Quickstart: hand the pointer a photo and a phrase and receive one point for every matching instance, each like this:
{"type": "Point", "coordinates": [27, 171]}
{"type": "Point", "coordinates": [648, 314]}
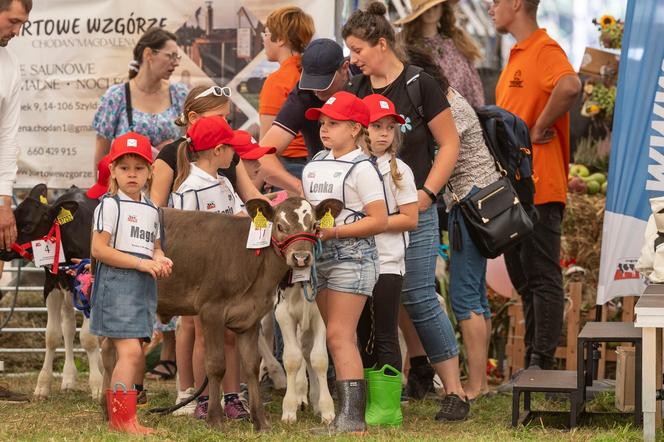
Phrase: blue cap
{"type": "Point", "coordinates": [320, 61]}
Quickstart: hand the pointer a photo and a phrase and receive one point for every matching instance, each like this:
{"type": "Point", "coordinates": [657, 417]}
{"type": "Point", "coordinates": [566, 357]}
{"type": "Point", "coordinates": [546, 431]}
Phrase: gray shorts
{"type": "Point", "coordinates": [124, 303]}
{"type": "Point", "coordinates": [348, 265]}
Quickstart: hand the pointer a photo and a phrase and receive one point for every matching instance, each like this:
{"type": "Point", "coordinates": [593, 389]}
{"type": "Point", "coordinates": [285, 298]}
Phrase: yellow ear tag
{"type": "Point", "coordinates": [260, 222]}
{"type": "Point", "coordinates": [43, 200]}
{"type": "Point", "coordinates": [327, 221]}
{"type": "Point", "coordinates": [64, 216]}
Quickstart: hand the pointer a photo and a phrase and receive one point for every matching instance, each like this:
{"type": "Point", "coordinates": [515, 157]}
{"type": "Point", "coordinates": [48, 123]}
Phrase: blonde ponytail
{"type": "Point", "coordinates": [184, 164]}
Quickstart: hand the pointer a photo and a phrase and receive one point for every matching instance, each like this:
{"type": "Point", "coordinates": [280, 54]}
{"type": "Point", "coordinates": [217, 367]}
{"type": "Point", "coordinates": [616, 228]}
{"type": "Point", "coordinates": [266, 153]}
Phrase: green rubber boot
{"type": "Point", "coordinates": [384, 397]}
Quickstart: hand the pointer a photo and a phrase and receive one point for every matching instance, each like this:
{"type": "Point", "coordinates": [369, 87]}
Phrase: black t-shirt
{"type": "Point", "coordinates": [169, 155]}
{"type": "Point", "coordinates": [417, 147]}
{"type": "Point", "coordinates": [291, 118]}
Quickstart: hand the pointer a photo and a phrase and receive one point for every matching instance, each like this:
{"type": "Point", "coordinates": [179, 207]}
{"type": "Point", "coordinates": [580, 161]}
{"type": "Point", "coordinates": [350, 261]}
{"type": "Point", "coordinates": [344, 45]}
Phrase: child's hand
{"type": "Point", "coordinates": [166, 266]}
{"type": "Point", "coordinates": [326, 234]}
{"type": "Point", "coordinates": [72, 272]}
{"type": "Point", "coordinates": [149, 266]}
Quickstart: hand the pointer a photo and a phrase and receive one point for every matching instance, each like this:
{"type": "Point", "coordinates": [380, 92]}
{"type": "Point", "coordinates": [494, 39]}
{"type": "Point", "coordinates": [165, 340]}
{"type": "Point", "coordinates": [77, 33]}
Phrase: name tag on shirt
{"type": "Point", "coordinates": [44, 253]}
{"type": "Point", "coordinates": [259, 238]}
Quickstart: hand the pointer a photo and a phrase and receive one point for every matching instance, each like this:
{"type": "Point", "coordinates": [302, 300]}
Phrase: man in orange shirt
{"type": "Point", "coordinates": [539, 85]}
{"type": "Point", "coordinates": [288, 31]}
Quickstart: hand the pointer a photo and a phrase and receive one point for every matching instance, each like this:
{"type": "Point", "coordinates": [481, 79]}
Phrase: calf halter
{"type": "Point", "coordinates": [53, 235]}
{"type": "Point", "coordinates": [315, 240]}
{"type": "Point", "coordinates": [281, 246]}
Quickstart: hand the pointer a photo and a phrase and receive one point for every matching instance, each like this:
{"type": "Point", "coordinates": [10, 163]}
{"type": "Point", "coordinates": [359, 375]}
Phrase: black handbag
{"type": "Point", "coordinates": [495, 218]}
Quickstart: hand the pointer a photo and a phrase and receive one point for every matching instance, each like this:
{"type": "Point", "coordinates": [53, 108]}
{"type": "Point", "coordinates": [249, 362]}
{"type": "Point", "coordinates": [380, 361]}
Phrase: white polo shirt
{"type": "Point", "coordinates": [392, 245]}
{"type": "Point", "coordinates": [223, 195]}
{"type": "Point", "coordinates": [10, 108]}
{"type": "Point", "coordinates": [362, 185]}
{"type": "Point", "coordinates": [142, 217]}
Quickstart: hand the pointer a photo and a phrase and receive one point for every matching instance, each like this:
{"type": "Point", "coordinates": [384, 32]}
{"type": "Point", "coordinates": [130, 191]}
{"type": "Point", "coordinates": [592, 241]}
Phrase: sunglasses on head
{"type": "Point", "coordinates": [217, 91]}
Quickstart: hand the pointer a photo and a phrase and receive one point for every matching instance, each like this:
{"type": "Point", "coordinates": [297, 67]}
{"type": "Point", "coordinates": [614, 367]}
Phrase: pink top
{"type": "Point", "coordinates": [459, 71]}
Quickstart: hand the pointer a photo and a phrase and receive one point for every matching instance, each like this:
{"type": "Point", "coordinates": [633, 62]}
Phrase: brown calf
{"type": "Point", "coordinates": [216, 277]}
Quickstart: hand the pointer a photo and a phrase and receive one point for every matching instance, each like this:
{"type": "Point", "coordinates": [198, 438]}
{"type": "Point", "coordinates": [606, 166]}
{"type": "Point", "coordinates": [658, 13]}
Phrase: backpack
{"type": "Point", "coordinates": [507, 137]}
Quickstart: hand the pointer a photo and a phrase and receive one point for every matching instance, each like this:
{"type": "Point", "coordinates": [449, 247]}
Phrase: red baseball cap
{"type": "Point", "coordinates": [131, 143]}
{"type": "Point", "coordinates": [103, 175]}
{"type": "Point", "coordinates": [250, 149]}
{"type": "Point", "coordinates": [381, 107]}
{"type": "Point", "coordinates": [342, 106]}
{"type": "Point", "coordinates": [209, 132]}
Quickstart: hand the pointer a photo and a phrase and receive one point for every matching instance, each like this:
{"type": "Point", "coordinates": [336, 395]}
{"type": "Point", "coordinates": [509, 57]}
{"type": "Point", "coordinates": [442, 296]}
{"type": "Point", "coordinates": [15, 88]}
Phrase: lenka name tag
{"type": "Point", "coordinates": [44, 253]}
{"type": "Point", "coordinates": [259, 238]}
{"type": "Point", "coordinates": [300, 275]}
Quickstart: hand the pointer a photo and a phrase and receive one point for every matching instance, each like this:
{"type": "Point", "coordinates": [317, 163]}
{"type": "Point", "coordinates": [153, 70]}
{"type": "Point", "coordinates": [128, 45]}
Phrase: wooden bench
{"type": "Point", "coordinates": [601, 332]}
{"type": "Point", "coordinates": [544, 381]}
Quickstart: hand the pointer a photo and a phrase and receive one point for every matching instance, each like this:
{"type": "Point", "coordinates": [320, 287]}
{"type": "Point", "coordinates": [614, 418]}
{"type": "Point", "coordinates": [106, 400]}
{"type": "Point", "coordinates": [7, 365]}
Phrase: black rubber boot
{"type": "Point", "coordinates": [420, 378]}
{"type": "Point", "coordinates": [352, 400]}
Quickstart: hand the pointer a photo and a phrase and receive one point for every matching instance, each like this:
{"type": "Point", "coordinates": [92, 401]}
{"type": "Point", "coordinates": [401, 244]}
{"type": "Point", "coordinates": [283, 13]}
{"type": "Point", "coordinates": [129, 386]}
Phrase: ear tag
{"type": "Point", "coordinates": [260, 222]}
{"type": "Point", "coordinates": [43, 200]}
{"type": "Point", "coordinates": [327, 221]}
{"type": "Point", "coordinates": [64, 216]}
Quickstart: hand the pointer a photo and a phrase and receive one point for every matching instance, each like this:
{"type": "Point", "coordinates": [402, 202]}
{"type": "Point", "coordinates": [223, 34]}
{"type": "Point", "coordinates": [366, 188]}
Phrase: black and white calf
{"type": "Point", "coordinates": [34, 220]}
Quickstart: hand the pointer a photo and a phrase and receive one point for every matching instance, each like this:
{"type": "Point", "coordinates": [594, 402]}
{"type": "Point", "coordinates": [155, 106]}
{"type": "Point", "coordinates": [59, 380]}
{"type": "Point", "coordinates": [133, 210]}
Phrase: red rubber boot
{"type": "Point", "coordinates": [121, 406]}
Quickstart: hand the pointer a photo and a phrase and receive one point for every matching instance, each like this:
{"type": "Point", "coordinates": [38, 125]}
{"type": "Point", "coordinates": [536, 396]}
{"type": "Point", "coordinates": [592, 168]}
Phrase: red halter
{"type": "Point", "coordinates": [53, 235]}
{"type": "Point", "coordinates": [281, 246]}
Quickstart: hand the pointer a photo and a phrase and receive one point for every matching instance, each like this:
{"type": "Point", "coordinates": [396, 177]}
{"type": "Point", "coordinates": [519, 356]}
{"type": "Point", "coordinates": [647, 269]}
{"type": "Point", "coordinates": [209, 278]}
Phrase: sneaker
{"type": "Point", "coordinates": [420, 381]}
{"type": "Point", "coordinates": [190, 408]}
{"type": "Point", "coordinates": [235, 408]}
{"type": "Point", "coordinates": [142, 398]}
{"type": "Point", "coordinates": [453, 408]}
{"type": "Point", "coordinates": [201, 408]}
{"type": "Point", "coordinates": [8, 396]}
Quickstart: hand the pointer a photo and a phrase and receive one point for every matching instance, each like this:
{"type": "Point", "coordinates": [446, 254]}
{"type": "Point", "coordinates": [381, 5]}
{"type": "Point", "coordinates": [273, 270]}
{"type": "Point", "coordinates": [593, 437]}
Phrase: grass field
{"type": "Point", "coordinates": [72, 416]}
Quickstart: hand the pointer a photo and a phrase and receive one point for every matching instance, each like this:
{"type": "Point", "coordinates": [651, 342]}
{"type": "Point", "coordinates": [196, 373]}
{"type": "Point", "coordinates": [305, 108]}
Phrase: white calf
{"type": "Point", "coordinates": [62, 322]}
{"type": "Point", "coordinates": [303, 331]}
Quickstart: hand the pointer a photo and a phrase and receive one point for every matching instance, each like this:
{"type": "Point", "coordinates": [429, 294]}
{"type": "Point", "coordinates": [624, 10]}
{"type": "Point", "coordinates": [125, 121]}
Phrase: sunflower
{"type": "Point", "coordinates": [606, 21]}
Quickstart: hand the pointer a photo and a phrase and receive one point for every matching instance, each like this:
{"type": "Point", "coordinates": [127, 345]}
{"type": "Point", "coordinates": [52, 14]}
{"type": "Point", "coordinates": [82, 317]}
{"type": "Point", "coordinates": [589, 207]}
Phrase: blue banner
{"type": "Point", "coordinates": [636, 169]}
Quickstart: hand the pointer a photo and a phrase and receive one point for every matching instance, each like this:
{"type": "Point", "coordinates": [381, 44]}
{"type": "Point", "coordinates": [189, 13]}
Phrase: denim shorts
{"type": "Point", "coordinates": [348, 265]}
{"type": "Point", "coordinates": [124, 303]}
{"type": "Point", "coordinates": [467, 271]}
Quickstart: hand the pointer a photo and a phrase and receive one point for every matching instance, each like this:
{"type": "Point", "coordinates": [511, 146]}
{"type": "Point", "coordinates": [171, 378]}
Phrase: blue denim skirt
{"type": "Point", "coordinates": [348, 265]}
{"type": "Point", "coordinates": [124, 303]}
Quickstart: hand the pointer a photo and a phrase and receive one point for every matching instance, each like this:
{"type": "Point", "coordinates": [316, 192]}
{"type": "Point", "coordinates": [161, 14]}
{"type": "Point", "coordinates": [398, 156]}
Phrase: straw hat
{"type": "Point", "coordinates": [419, 7]}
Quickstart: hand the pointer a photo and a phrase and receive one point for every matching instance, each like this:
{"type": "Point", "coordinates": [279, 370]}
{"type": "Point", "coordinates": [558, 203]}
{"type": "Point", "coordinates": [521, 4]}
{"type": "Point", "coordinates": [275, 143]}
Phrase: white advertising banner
{"type": "Point", "coordinates": [71, 51]}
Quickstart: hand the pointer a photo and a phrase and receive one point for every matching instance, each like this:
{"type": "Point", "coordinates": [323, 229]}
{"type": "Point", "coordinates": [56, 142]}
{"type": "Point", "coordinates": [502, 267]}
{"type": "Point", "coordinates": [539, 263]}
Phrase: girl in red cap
{"type": "Point", "coordinates": [211, 143]}
{"type": "Point", "coordinates": [347, 268]}
{"type": "Point", "coordinates": [125, 243]}
{"type": "Point", "coordinates": [381, 312]}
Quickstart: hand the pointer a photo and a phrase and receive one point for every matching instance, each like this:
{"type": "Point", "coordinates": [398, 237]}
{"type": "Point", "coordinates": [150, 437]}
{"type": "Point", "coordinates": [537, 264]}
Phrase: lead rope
{"type": "Point", "coordinates": [369, 348]}
{"type": "Point", "coordinates": [318, 250]}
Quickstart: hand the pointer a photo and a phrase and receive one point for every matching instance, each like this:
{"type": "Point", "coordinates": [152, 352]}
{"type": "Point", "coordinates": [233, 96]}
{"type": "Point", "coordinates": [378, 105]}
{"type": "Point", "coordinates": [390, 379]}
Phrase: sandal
{"type": "Point", "coordinates": [165, 374]}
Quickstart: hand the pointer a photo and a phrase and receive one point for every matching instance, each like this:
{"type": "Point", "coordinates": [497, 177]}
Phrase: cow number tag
{"type": "Point", "coordinates": [44, 252]}
{"type": "Point", "coordinates": [300, 275]}
{"type": "Point", "coordinates": [327, 221]}
{"type": "Point", "coordinates": [260, 232]}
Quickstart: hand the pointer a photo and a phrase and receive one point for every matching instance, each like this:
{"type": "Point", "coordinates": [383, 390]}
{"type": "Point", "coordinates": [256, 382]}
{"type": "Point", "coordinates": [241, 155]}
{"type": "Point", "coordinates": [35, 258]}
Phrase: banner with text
{"type": "Point", "coordinates": [71, 51]}
{"type": "Point", "coordinates": [636, 170]}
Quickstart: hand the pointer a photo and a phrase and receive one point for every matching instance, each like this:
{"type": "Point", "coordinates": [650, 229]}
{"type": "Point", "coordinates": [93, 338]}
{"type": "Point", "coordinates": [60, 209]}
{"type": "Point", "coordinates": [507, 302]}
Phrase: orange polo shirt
{"type": "Point", "coordinates": [273, 95]}
{"type": "Point", "coordinates": [535, 65]}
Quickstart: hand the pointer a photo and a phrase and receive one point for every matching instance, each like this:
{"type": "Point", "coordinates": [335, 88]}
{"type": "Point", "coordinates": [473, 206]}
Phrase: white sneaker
{"type": "Point", "coordinates": [187, 410]}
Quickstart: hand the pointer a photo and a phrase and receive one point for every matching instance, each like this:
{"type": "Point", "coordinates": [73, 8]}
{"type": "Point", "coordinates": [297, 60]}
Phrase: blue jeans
{"type": "Point", "coordinates": [419, 293]}
{"type": "Point", "coordinates": [467, 272]}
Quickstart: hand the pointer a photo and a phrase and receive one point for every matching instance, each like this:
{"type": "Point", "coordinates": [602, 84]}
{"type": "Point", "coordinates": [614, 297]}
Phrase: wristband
{"type": "Point", "coordinates": [429, 193]}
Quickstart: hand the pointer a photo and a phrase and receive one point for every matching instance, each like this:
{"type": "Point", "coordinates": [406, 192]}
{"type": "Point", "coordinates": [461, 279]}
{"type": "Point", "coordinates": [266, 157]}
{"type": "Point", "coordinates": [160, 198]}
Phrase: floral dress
{"type": "Point", "coordinates": [110, 120]}
{"type": "Point", "coordinates": [459, 71]}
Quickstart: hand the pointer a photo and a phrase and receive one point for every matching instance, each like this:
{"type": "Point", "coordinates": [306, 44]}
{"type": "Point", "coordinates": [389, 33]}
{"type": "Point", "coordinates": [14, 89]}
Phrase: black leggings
{"type": "Point", "coordinates": [383, 347]}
